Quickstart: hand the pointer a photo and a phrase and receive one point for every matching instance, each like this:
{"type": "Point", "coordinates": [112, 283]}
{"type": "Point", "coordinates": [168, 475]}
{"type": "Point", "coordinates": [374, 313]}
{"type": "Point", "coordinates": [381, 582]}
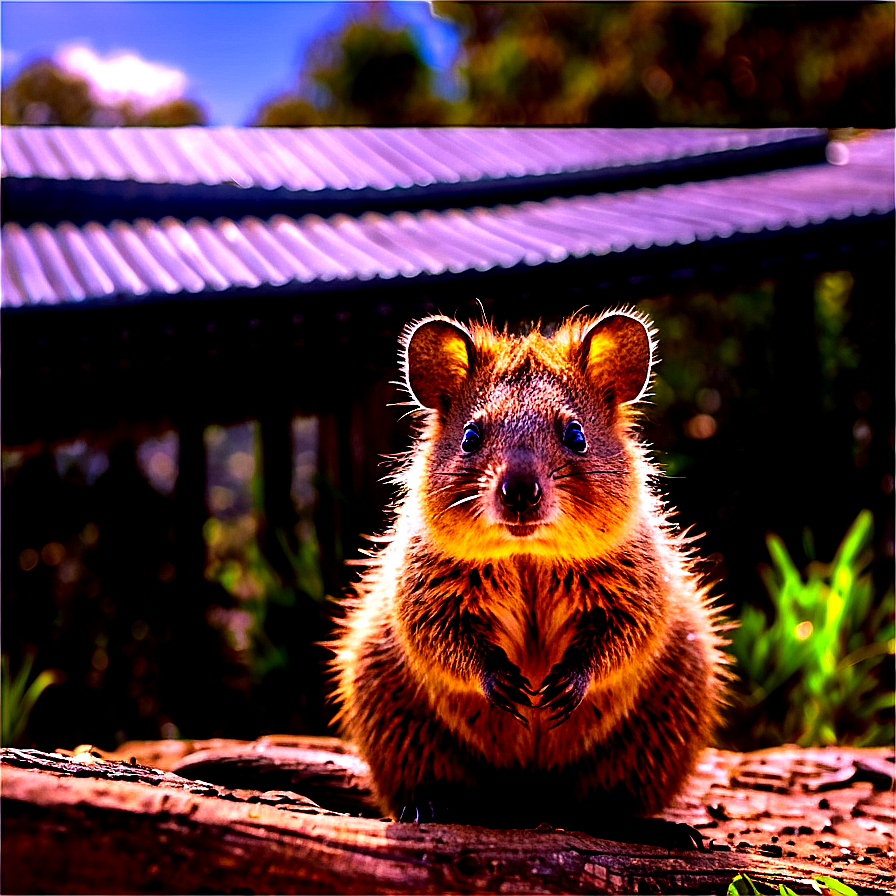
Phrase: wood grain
{"type": "Point", "coordinates": [101, 824]}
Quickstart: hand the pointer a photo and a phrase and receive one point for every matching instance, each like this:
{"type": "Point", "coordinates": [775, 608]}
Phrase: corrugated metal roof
{"type": "Point", "coordinates": [94, 174]}
{"type": "Point", "coordinates": [312, 159]}
{"type": "Point", "coordinates": [62, 264]}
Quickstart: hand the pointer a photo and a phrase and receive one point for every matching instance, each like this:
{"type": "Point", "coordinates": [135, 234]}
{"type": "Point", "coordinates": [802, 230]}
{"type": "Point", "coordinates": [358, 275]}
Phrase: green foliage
{"type": "Point", "coordinates": [44, 93]}
{"type": "Point", "coordinates": [559, 63]}
{"type": "Point", "coordinates": [17, 697]}
{"type": "Point", "coordinates": [742, 885]}
{"type": "Point", "coordinates": [369, 73]}
{"type": "Point", "coordinates": [237, 562]}
{"type": "Point", "coordinates": [670, 63]}
{"type": "Point", "coordinates": [277, 620]}
{"type": "Point", "coordinates": [714, 369]}
{"type": "Point", "coordinates": [264, 593]}
{"type": "Point", "coordinates": [832, 312]}
{"type": "Point", "coordinates": [810, 674]}
{"type": "Point", "coordinates": [826, 885]}
{"type": "Point", "coordinates": [177, 113]}
{"type": "Point", "coordinates": [635, 64]}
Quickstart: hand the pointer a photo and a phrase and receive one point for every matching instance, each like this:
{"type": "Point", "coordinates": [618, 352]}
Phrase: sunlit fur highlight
{"type": "Point", "coordinates": [602, 586]}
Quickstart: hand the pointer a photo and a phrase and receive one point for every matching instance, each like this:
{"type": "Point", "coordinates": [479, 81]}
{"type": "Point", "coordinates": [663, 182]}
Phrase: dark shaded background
{"type": "Point", "coordinates": [754, 434]}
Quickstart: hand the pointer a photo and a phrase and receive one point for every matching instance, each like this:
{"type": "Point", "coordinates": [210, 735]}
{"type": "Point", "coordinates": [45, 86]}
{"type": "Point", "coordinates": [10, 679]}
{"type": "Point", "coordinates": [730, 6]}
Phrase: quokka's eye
{"type": "Point", "coordinates": [472, 439]}
{"type": "Point", "coordinates": [574, 438]}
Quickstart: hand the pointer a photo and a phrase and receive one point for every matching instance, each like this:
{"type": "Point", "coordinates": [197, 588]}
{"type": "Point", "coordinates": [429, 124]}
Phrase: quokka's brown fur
{"type": "Point", "coordinates": [531, 644]}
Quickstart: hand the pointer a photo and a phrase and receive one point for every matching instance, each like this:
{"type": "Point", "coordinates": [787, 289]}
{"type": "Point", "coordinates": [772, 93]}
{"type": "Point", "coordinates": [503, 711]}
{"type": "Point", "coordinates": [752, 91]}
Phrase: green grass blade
{"type": "Point", "coordinates": [742, 886]}
{"type": "Point", "coordinates": [827, 885]}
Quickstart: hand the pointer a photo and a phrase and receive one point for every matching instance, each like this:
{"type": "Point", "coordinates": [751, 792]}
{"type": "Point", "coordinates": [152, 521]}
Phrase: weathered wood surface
{"type": "Point", "coordinates": [126, 822]}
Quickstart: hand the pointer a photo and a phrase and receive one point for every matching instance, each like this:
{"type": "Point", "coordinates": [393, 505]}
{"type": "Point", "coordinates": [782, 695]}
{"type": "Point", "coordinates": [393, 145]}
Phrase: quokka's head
{"type": "Point", "coordinates": [528, 445]}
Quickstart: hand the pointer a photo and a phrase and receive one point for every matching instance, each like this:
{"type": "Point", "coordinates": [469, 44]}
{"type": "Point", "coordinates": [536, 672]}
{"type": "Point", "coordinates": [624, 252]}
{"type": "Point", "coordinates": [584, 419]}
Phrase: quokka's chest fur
{"type": "Point", "coordinates": [530, 607]}
{"type": "Point", "coordinates": [534, 611]}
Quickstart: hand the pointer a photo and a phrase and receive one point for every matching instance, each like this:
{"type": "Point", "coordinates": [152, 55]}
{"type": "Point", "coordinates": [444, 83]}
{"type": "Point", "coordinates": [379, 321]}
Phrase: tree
{"type": "Point", "coordinates": [173, 114]}
{"type": "Point", "coordinates": [675, 63]}
{"type": "Point", "coordinates": [45, 93]}
{"type": "Point", "coordinates": [369, 73]}
{"type": "Point", "coordinates": [42, 93]}
{"type": "Point", "coordinates": [620, 64]}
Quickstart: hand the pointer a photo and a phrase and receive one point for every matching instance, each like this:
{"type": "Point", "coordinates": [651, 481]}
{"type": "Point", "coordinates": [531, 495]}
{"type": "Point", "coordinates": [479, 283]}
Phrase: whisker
{"type": "Point", "coordinates": [470, 475]}
{"type": "Point", "coordinates": [466, 471]}
{"type": "Point", "coordinates": [554, 472]}
{"type": "Point", "coordinates": [460, 501]}
{"type": "Point", "coordinates": [594, 459]}
{"type": "Point", "coordinates": [590, 473]}
{"type": "Point", "coordinates": [448, 487]}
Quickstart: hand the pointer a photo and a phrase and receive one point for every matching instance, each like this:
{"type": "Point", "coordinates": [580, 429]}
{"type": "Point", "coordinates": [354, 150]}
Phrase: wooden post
{"type": "Point", "coordinates": [280, 516]}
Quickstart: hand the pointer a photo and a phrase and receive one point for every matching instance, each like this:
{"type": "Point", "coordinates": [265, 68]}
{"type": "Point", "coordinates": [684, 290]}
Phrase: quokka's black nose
{"type": "Point", "coordinates": [520, 493]}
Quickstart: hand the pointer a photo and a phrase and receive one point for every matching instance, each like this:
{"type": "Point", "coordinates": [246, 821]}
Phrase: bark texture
{"type": "Point", "coordinates": [229, 817]}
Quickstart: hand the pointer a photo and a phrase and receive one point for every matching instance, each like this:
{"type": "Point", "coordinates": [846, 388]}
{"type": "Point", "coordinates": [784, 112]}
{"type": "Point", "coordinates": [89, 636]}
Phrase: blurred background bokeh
{"type": "Point", "coordinates": [105, 639]}
{"type": "Point", "coordinates": [379, 63]}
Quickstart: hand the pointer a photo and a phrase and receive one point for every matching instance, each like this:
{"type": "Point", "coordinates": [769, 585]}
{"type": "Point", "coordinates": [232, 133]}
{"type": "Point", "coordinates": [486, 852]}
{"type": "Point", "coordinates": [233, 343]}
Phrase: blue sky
{"type": "Point", "coordinates": [235, 55]}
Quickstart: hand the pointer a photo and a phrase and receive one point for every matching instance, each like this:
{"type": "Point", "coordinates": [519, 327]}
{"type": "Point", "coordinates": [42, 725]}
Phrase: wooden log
{"type": "Point", "coordinates": [335, 778]}
{"type": "Point", "coordinates": [86, 824]}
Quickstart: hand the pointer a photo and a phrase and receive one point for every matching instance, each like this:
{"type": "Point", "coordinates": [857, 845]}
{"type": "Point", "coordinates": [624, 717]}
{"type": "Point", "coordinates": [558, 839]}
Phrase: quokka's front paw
{"type": "Point", "coordinates": [504, 685]}
{"type": "Point", "coordinates": [651, 831]}
{"type": "Point", "coordinates": [564, 688]}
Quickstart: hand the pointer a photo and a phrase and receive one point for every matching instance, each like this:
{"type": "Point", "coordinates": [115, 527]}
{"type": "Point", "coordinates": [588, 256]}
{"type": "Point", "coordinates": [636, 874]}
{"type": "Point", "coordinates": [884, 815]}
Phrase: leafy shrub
{"type": "Point", "coordinates": [742, 885]}
{"type": "Point", "coordinates": [18, 697]}
{"type": "Point", "coordinates": [811, 674]}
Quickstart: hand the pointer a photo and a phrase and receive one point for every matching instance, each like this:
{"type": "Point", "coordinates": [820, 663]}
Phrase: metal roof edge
{"type": "Point", "coordinates": [422, 281]}
{"type": "Point", "coordinates": [50, 200]}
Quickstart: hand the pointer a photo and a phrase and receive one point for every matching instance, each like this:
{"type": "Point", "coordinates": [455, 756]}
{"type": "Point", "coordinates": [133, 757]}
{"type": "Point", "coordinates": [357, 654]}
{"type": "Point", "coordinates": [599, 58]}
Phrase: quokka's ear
{"type": "Point", "coordinates": [617, 352]}
{"type": "Point", "coordinates": [438, 358]}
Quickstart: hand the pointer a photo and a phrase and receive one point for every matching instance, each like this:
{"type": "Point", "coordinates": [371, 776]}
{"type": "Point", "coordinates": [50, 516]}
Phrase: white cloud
{"type": "Point", "coordinates": [123, 76]}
